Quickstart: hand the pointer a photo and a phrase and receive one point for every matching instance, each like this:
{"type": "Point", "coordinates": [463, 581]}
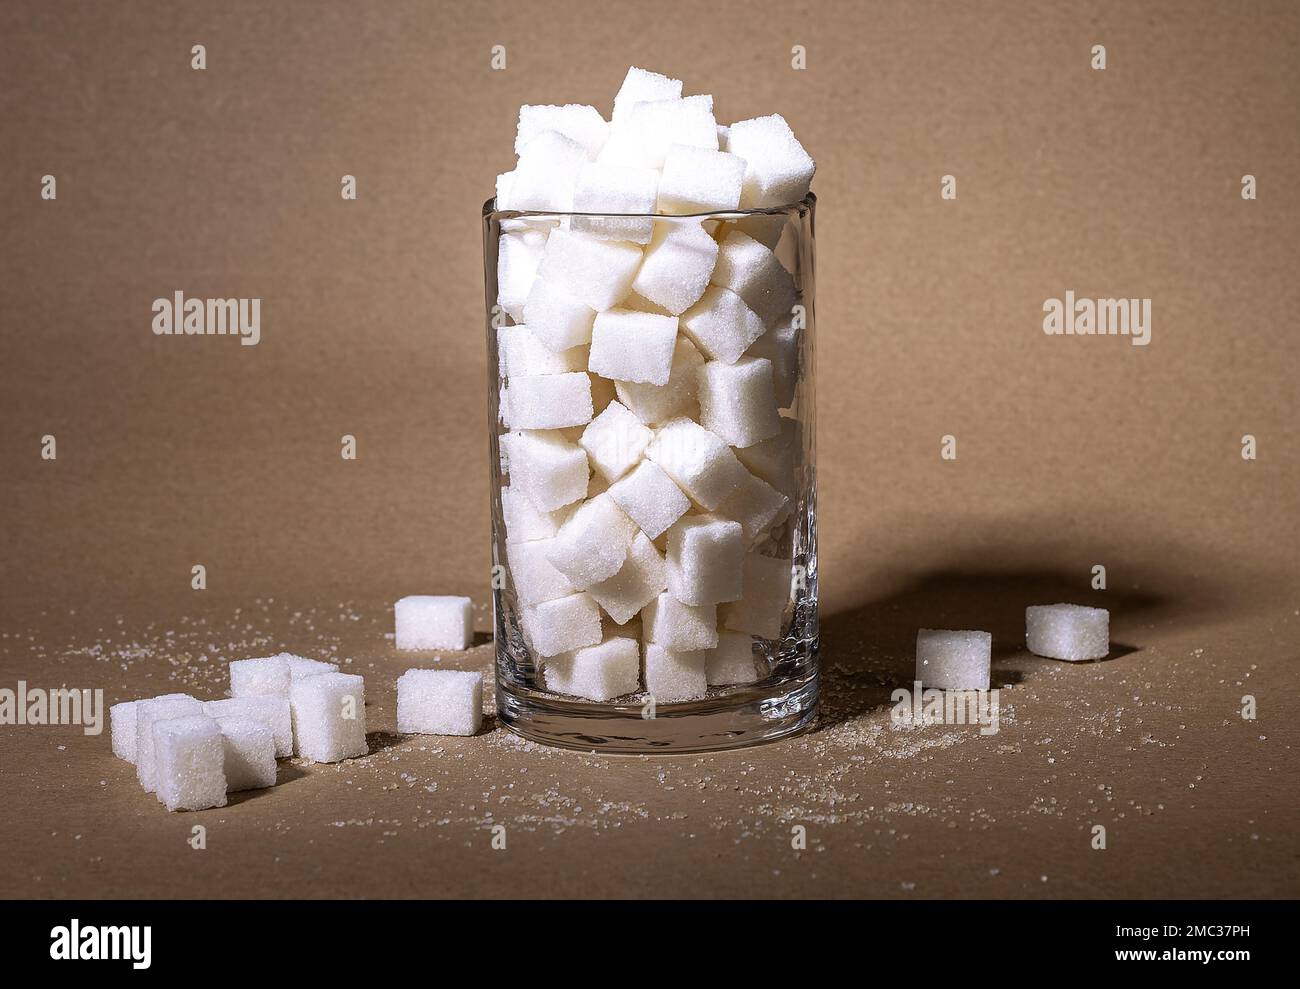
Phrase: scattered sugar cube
{"type": "Point", "coordinates": [706, 556]}
{"type": "Point", "coordinates": [672, 676]}
{"type": "Point", "coordinates": [775, 459]}
{"type": "Point", "coordinates": [596, 673]}
{"type": "Point", "coordinates": [638, 582]}
{"type": "Point", "coordinates": [697, 180]}
{"type": "Point", "coordinates": [615, 441]}
{"type": "Point", "coordinates": [678, 264]}
{"type": "Point", "coordinates": [249, 753]}
{"type": "Point", "coordinates": [329, 717]}
{"type": "Point", "coordinates": [253, 677]}
{"type": "Point", "coordinates": [737, 401]}
{"type": "Point", "coordinates": [581, 124]}
{"type": "Point", "coordinates": [731, 662]}
{"type": "Point", "coordinates": [650, 498]}
{"type": "Point", "coordinates": [780, 345]}
{"type": "Point", "coordinates": [1067, 631]}
{"type": "Point", "coordinates": [761, 610]}
{"type": "Point", "coordinates": [122, 720]}
{"type": "Point", "coordinates": [752, 271]}
{"type": "Point", "coordinates": [949, 660]}
{"type": "Point", "coordinates": [615, 189]}
{"type": "Point", "coordinates": [721, 325]}
{"type": "Point", "coordinates": [698, 461]}
{"type": "Point", "coordinates": [778, 171]}
{"type": "Point", "coordinates": [271, 711]}
{"type": "Point", "coordinates": [756, 505]}
{"type": "Point", "coordinates": [521, 353]}
{"type": "Point", "coordinates": [654, 404]}
{"type": "Point", "coordinates": [439, 702]}
{"type": "Point", "coordinates": [593, 542]}
{"type": "Point", "coordinates": [642, 86]}
{"type": "Point", "coordinates": [519, 256]}
{"type": "Point", "coordinates": [562, 625]}
{"type": "Point", "coordinates": [434, 621]}
{"type": "Point", "coordinates": [190, 773]}
{"type": "Point", "coordinates": [535, 578]}
{"type": "Point", "coordinates": [633, 346]}
{"type": "Point", "coordinates": [146, 713]}
{"type": "Point", "coordinates": [598, 273]}
{"type": "Point", "coordinates": [680, 627]}
{"type": "Point", "coordinates": [549, 401]}
{"type": "Point", "coordinates": [523, 521]}
{"type": "Point", "coordinates": [546, 174]}
{"type": "Point", "coordinates": [549, 469]}
{"type": "Point", "coordinates": [558, 322]}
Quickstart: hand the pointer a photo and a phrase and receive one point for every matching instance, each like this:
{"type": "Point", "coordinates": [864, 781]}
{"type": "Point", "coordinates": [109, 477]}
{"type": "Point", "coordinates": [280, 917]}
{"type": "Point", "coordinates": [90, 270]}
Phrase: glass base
{"type": "Point", "coordinates": [727, 718]}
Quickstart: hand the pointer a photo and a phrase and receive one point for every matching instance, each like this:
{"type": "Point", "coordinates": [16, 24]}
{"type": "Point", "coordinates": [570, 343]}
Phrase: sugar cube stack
{"type": "Point", "coordinates": [953, 660]}
{"type": "Point", "coordinates": [1067, 631]}
{"type": "Point", "coordinates": [649, 361]}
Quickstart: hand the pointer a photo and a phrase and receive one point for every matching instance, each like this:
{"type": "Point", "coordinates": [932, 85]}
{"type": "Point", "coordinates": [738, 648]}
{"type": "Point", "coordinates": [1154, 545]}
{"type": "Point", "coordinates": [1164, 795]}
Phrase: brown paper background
{"type": "Point", "coordinates": [1072, 452]}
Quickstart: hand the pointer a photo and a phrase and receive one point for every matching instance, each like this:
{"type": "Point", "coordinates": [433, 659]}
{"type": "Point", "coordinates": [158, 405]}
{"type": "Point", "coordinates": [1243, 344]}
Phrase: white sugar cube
{"type": "Point", "coordinates": [731, 662]}
{"type": "Point", "coordinates": [558, 321]}
{"type": "Point", "coordinates": [641, 86]}
{"type": "Point", "coordinates": [504, 181]}
{"type": "Point", "coordinates": [672, 676]}
{"type": "Point", "coordinates": [615, 441]}
{"type": "Point", "coordinates": [546, 174]}
{"type": "Point", "coordinates": [190, 757]}
{"type": "Point", "coordinates": [548, 401]}
{"type": "Point", "coordinates": [680, 627]}
{"type": "Point", "coordinates": [301, 666]}
{"type": "Point", "coordinates": [521, 353]}
{"type": "Point", "coordinates": [523, 521]}
{"type": "Point", "coordinates": [248, 753]}
{"type": "Point", "coordinates": [638, 582]}
{"type": "Point", "coordinates": [633, 346]}
{"type": "Point", "coordinates": [778, 170]}
{"type": "Point", "coordinates": [329, 716]}
{"type": "Point", "coordinates": [581, 124]}
{"type": "Point", "coordinates": [657, 404]}
{"type": "Point", "coordinates": [549, 469]}
{"type": "Point", "coordinates": [535, 579]}
{"type": "Point", "coordinates": [677, 267]}
{"type": "Point", "coordinates": [706, 556]}
{"type": "Point", "coordinates": [593, 542]}
{"type": "Point", "coordinates": [752, 271]}
{"type": "Point", "coordinates": [780, 345]}
{"type": "Point", "coordinates": [775, 459]}
{"type": "Point", "coordinates": [697, 180]}
{"type": "Point", "coordinates": [122, 724]}
{"type": "Point", "coordinates": [615, 189]}
{"type": "Point", "coordinates": [266, 675]}
{"type": "Point", "coordinates": [737, 401]}
{"type": "Point", "coordinates": [439, 702]}
{"type": "Point", "coordinates": [433, 621]}
{"type": "Point", "coordinates": [519, 256]}
{"type": "Point", "coordinates": [267, 710]}
{"type": "Point", "coordinates": [596, 673]}
{"type": "Point", "coordinates": [699, 462]}
{"type": "Point", "coordinates": [721, 325]}
{"type": "Point", "coordinates": [562, 625]}
{"type": "Point", "coordinates": [756, 505]}
{"type": "Point", "coordinates": [1067, 631]}
{"type": "Point", "coordinates": [598, 273]}
{"type": "Point", "coordinates": [650, 498]}
{"type": "Point", "coordinates": [761, 610]}
{"type": "Point", "coordinates": [148, 712]}
{"type": "Point", "coordinates": [766, 228]}
{"type": "Point", "coordinates": [656, 125]}
{"type": "Point", "coordinates": [953, 660]}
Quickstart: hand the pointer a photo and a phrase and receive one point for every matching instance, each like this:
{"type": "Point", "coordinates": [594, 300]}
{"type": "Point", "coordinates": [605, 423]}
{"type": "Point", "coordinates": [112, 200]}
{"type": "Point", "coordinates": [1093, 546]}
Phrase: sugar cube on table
{"type": "Point", "coordinates": [593, 542]}
{"type": "Point", "coordinates": [596, 673]}
{"type": "Point", "coordinates": [756, 505]}
{"type": "Point", "coordinates": [271, 711]}
{"type": "Point", "coordinates": [522, 353]}
{"type": "Point", "coordinates": [146, 713]}
{"type": "Point", "coordinates": [642, 86]}
{"type": "Point", "coordinates": [698, 461]}
{"type": "Point", "coordinates": [761, 609]}
{"type": "Point", "coordinates": [615, 441]}
{"type": "Point", "coordinates": [439, 702]}
{"type": "Point", "coordinates": [721, 325]}
{"type": "Point", "coordinates": [654, 404]}
{"type": "Point", "coordinates": [778, 171]}
{"type": "Point", "coordinates": [1067, 631]}
{"type": "Point", "coordinates": [672, 676]}
{"type": "Point", "coordinates": [598, 273]}
{"type": "Point", "coordinates": [697, 180]}
{"type": "Point", "coordinates": [638, 582]}
{"type": "Point", "coordinates": [549, 469]}
{"type": "Point", "coordinates": [650, 498]}
{"type": "Point", "coordinates": [953, 660]}
{"type": "Point", "coordinates": [249, 750]}
{"type": "Point", "coordinates": [706, 556]}
{"type": "Point", "coordinates": [546, 174]}
{"type": "Point", "coordinates": [731, 662]}
{"type": "Point", "coordinates": [775, 459]}
{"type": "Point", "coordinates": [615, 189]}
{"type": "Point", "coordinates": [519, 256]}
{"type": "Point", "coordinates": [190, 772]}
{"type": "Point", "coordinates": [434, 621]}
{"type": "Point", "coordinates": [678, 264]}
{"type": "Point", "coordinates": [549, 401]}
{"type": "Point", "coordinates": [301, 666]}
{"type": "Point", "coordinates": [558, 321]}
{"type": "Point", "coordinates": [329, 716]}
{"type": "Point", "coordinates": [633, 346]}
{"type": "Point", "coordinates": [122, 720]}
{"type": "Point", "coordinates": [752, 271]}
{"type": "Point", "coordinates": [680, 627]}
{"type": "Point", "coordinates": [562, 625]}
{"type": "Point", "coordinates": [737, 401]}
{"type": "Point", "coordinates": [522, 519]}
{"type": "Point", "coordinates": [265, 675]}
{"type": "Point", "coordinates": [534, 576]}
{"type": "Point", "coordinates": [581, 124]}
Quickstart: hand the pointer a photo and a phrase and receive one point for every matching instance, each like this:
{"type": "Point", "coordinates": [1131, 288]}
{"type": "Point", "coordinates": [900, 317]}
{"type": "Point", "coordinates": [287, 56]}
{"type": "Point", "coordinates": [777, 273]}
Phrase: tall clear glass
{"type": "Point", "coordinates": [664, 703]}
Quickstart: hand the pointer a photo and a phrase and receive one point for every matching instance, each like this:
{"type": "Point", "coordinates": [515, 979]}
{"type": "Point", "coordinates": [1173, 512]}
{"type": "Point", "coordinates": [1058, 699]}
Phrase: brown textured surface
{"type": "Point", "coordinates": [1072, 452]}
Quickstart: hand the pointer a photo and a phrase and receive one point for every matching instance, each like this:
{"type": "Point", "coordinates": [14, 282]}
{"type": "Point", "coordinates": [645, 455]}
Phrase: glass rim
{"type": "Point", "coordinates": [807, 203]}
